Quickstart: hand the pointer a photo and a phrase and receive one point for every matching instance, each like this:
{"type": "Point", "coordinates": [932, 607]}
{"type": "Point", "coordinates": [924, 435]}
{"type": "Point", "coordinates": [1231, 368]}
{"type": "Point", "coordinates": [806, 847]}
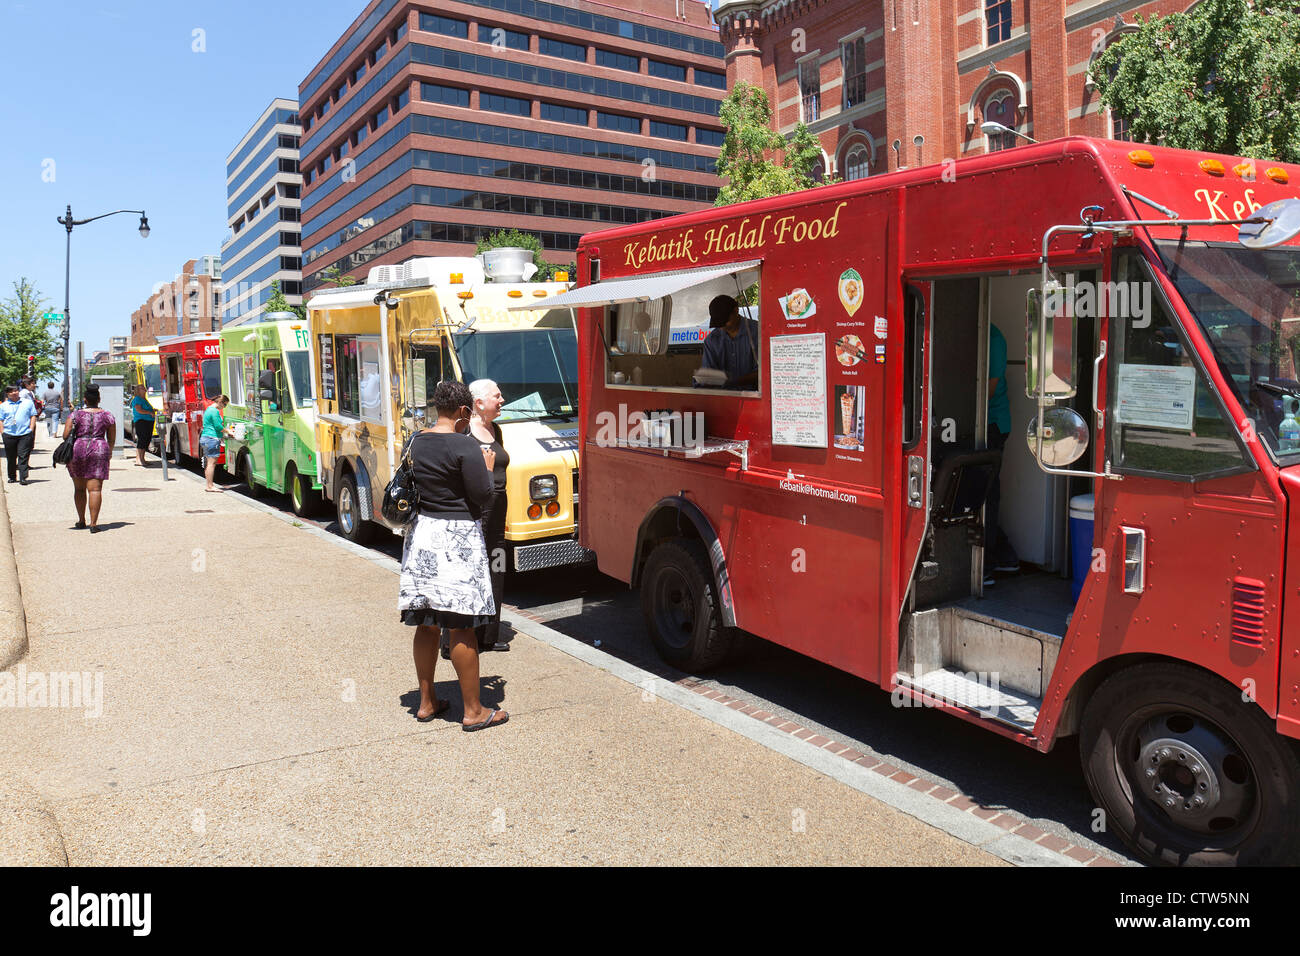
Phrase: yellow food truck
{"type": "Point", "coordinates": [381, 348]}
{"type": "Point", "coordinates": [138, 367]}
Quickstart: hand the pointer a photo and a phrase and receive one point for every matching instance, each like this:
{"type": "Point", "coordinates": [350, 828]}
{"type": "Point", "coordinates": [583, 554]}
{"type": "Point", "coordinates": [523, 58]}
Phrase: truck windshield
{"type": "Point", "coordinates": [152, 379]}
{"type": "Point", "coordinates": [1247, 303]}
{"type": "Point", "coordinates": [536, 370]}
{"type": "Point", "coordinates": [211, 370]}
{"type": "Point", "coordinates": [300, 377]}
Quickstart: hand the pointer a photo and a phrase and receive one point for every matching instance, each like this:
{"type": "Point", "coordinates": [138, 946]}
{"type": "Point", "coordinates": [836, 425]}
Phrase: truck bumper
{"type": "Point", "coordinates": [549, 554]}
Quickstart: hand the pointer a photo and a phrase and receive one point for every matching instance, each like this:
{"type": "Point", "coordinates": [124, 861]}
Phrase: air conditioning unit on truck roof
{"type": "Point", "coordinates": [432, 270]}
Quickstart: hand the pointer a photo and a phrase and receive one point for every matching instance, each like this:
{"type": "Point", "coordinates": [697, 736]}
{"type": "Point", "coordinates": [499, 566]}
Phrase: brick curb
{"type": "Point", "coordinates": [13, 618]}
{"type": "Point", "coordinates": [1010, 822]}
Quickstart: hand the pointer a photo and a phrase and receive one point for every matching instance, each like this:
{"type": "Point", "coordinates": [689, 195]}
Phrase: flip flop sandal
{"type": "Point", "coordinates": [442, 708]}
{"type": "Point", "coordinates": [490, 722]}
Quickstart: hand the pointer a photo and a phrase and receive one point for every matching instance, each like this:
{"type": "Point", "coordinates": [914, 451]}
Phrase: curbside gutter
{"type": "Point", "coordinates": [13, 619]}
{"type": "Point", "coordinates": [30, 834]}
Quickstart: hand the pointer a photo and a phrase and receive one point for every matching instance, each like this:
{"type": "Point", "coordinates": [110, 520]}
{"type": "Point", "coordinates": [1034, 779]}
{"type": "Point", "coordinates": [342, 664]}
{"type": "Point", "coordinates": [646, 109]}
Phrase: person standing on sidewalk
{"type": "Point", "coordinates": [483, 428]}
{"type": "Point", "coordinates": [214, 430]}
{"type": "Point", "coordinates": [53, 399]}
{"type": "Point", "coordinates": [142, 421]}
{"type": "Point", "coordinates": [17, 414]}
{"type": "Point", "coordinates": [96, 433]}
{"type": "Point", "coordinates": [445, 580]}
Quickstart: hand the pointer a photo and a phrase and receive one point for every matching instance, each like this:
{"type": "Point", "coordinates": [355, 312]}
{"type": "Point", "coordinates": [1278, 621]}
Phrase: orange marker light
{"type": "Point", "coordinates": [515, 294]}
{"type": "Point", "coordinates": [1245, 171]}
{"type": "Point", "coordinates": [539, 293]}
{"type": "Point", "coordinates": [1141, 157]}
{"type": "Point", "coordinates": [1277, 174]}
{"type": "Point", "coordinates": [553, 508]}
{"type": "Point", "coordinates": [1211, 166]}
{"type": "Point", "coordinates": [534, 511]}
{"type": "Point", "coordinates": [457, 278]}
{"type": "Point", "coordinates": [464, 295]}
{"type": "Point", "coordinates": [561, 277]}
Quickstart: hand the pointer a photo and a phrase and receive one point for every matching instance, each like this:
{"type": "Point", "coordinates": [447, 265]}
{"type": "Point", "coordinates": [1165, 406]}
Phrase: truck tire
{"type": "Point", "coordinates": [301, 496]}
{"type": "Point", "coordinates": [1156, 738]}
{"type": "Point", "coordinates": [681, 607]}
{"type": "Point", "coordinates": [174, 454]}
{"type": "Point", "coordinates": [347, 507]}
{"type": "Point", "coordinates": [246, 476]}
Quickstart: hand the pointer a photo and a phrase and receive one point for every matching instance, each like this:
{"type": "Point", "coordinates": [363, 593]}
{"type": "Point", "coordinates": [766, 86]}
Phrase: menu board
{"type": "Point", "coordinates": [251, 391]}
{"type": "Point", "coordinates": [1163, 396]}
{"type": "Point", "coordinates": [799, 390]}
{"type": "Point", "coordinates": [326, 367]}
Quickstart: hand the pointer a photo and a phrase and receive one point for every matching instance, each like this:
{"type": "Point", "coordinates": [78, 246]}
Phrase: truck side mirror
{"type": "Point", "coordinates": [267, 395]}
{"type": "Point", "coordinates": [1051, 343]}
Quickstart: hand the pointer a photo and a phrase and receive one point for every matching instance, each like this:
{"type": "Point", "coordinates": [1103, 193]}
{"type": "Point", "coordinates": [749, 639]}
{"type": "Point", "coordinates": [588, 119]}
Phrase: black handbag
{"type": "Point", "coordinates": [63, 454]}
{"type": "Point", "coordinates": [401, 496]}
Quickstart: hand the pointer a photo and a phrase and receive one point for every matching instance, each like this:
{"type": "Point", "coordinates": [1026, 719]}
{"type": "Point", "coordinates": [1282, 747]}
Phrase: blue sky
{"type": "Point", "coordinates": [135, 119]}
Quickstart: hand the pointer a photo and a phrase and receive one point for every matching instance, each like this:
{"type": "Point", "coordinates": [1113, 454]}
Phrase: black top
{"type": "Point", "coordinates": [452, 477]}
{"type": "Point", "coordinates": [503, 457]}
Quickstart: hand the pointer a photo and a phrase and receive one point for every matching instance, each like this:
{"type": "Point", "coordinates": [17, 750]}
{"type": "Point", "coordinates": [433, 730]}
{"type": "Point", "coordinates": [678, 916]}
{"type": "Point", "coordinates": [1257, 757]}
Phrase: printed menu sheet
{"type": "Point", "coordinates": [1163, 396]}
{"type": "Point", "coordinates": [327, 367]}
{"type": "Point", "coordinates": [798, 379]}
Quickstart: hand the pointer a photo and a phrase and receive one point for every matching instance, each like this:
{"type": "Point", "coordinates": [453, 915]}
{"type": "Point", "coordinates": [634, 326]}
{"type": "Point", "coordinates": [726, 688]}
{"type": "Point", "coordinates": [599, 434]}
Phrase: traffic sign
{"type": "Point", "coordinates": [53, 318]}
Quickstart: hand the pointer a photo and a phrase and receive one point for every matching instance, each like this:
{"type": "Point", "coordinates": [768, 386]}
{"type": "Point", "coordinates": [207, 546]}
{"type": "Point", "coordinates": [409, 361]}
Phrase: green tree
{"type": "Point", "coordinates": [23, 332]}
{"type": "Point", "coordinates": [744, 160]}
{"type": "Point", "coordinates": [278, 303]}
{"type": "Point", "coordinates": [515, 238]}
{"type": "Point", "coordinates": [1223, 77]}
{"type": "Point", "coordinates": [336, 276]}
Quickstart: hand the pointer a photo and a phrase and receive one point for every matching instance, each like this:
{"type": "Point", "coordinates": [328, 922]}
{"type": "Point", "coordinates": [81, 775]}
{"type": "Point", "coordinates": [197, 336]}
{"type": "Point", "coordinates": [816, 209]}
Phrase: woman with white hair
{"type": "Point", "coordinates": [484, 430]}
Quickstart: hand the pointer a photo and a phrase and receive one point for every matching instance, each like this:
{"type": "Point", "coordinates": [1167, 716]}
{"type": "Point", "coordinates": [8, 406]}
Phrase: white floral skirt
{"type": "Point", "coordinates": [446, 580]}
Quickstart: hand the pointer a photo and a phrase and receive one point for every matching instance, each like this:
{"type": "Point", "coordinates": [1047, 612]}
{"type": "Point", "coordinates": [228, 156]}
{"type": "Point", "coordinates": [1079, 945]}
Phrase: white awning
{"type": "Point", "coordinates": [636, 288]}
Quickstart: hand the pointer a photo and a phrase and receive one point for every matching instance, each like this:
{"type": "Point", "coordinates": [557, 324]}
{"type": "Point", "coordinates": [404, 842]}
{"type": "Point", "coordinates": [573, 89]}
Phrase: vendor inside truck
{"type": "Point", "coordinates": [732, 346]}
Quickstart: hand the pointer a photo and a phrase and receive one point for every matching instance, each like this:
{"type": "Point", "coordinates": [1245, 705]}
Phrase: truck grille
{"type": "Point", "coordinates": [1248, 612]}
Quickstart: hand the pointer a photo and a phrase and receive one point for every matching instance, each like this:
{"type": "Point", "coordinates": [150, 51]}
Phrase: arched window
{"type": "Point", "coordinates": [857, 162]}
{"type": "Point", "coordinates": [1000, 107]}
{"type": "Point", "coordinates": [818, 171]}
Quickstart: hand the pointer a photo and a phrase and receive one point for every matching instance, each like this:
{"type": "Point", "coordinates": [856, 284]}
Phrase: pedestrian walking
{"type": "Point", "coordinates": [214, 430]}
{"type": "Point", "coordinates": [142, 422]}
{"type": "Point", "coordinates": [95, 431]}
{"type": "Point", "coordinates": [53, 400]}
{"type": "Point", "coordinates": [17, 414]}
{"type": "Point", "coordinates": [482, 426]}
{"type": "Point", "coordinates": [445, 580]}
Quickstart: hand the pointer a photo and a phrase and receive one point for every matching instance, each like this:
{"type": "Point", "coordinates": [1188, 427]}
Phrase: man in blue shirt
{"type": "Point", "coordinates": [732, 346]}
{"type": "Point", "coordinates": [17, 416]}
{"type": "Point", "coordinates": [999, 554]}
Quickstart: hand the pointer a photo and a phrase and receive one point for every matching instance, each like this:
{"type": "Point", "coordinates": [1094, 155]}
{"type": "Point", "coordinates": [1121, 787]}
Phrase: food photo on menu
{"type": "Point", "coordinates": [798, 304]}
{"type": "Point", "coordinates": [849, 414]}
{"type": "Point", "coordinates": [849, 351]}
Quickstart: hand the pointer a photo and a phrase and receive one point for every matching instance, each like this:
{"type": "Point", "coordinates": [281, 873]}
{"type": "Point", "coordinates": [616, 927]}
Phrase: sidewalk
{"type": "Point", "coordinates": [257, 699]}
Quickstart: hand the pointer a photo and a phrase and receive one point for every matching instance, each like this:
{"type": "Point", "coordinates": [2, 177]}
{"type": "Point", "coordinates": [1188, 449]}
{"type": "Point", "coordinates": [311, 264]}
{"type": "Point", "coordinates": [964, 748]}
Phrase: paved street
{"type": "Point", "coordinates": [257, 698]}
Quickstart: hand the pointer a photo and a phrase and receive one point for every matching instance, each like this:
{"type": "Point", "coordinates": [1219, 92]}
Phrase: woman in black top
{"type": "Point", "coordinates": [484, 430]}
{"type": "Point", "coordinates": [445, 580]}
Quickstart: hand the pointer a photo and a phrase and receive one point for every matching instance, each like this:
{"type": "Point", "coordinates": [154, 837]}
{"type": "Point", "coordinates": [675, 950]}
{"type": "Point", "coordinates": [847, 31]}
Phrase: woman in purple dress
{"type": "Point", "coordinates": [96, 432]}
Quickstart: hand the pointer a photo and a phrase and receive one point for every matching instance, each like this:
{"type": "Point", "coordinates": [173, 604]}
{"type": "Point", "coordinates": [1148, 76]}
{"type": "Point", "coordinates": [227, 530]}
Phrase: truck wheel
{"type": "Point", "coordinates": [1187, 772]}
{"type": "Point", "coordinates": [246, 476]}
{"type": "Point", "coordinates": [301, 496]}
{"type": "Point", "coordinates": [174, 455]}
{"type": "Point", "coordinates": [681, 608]}
{"type": "Point", "coordinates": [348, 509]}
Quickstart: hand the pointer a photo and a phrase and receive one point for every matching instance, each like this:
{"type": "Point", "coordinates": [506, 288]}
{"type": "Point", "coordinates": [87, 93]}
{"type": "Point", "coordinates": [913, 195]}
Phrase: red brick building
{"type": "Point", "coordinates": [909, 82]}
{"type": "Point", "coordinates": [189, 303]}
{"type": "Point", "coordinates": [428, 125]}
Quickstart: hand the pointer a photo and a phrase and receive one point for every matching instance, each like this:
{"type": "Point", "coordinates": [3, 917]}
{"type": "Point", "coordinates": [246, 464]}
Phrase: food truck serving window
{"type": "Point", "coordinates": [234, 372]}
{"type": "Point", "coordinates": [704, 336]}
{"type": "Point", "coordinates": [360, 384]}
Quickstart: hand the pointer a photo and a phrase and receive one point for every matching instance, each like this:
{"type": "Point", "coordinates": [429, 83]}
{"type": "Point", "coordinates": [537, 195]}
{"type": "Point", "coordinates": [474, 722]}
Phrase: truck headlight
{"type": "Point", "coordinates": [543, 487]}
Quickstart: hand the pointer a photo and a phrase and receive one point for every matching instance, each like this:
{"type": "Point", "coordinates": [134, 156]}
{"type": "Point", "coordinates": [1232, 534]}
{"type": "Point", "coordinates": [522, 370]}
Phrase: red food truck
{"type": "Point", "coordinates": [191, 380]}
{"type": "Point", "coordinates": [820, 471]}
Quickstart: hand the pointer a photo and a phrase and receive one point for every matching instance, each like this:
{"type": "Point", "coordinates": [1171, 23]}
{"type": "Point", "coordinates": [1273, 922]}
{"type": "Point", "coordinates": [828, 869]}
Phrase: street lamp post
{"type": "Point", "coordinates": [989, 128]}
{"type": "Point", "coordinates": [67, 222]}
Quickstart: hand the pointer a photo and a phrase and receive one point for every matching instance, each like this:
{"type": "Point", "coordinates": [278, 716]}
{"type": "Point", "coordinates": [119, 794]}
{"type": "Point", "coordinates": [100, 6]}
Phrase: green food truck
{"type": "Point", "coordinates": [266, 369]}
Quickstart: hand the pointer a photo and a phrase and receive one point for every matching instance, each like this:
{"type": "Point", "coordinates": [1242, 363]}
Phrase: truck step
{"type": "Point", "coordinates": [981, 692]}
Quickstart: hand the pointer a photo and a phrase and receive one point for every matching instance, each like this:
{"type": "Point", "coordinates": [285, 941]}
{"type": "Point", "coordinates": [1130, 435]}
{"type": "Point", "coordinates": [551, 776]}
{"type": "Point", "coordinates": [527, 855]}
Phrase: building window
{"type": "Point", "coordinates": [709, 137]}
{"type": "Point", "coordinates": [501, 37]}
{"type": "Point", "coordinates": [432, 23]}
{"type": "Point", "coordinates": [853, 56]}
{"type": "Point", "coordinates": [401, 99]}
{"type": "Point", "coordinates": [568, 51]}
{"type": "Point", "coordinates": [617, 61]}
{"type": "Point", "coordinates": [618, 122]}
{"type": "Point", "coordinates": [505, 104]}
{"type": "Point", "coordinates": [810, 89]}
{"type": "Point", "coordinates": [706, 78]}
{"type": "Point", "coordinates": [564, 114]}
{"type": "Point", "coordinates": [857, 162]}
{"type": "Point", "coordinates": [1000, 107]}
{"type": "Point", "coordinates": [379, 52]}
{"type": "Point", "coordinates": [1120, 127]}
{"type": "Point", "coordinates": [997, 17]}
{"type": "Point", "coordinates": [666, 71]}
{"type": "Point", "coordinates": [446, 95]}
{"type": "Point", "coordinates": [668, 130]}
